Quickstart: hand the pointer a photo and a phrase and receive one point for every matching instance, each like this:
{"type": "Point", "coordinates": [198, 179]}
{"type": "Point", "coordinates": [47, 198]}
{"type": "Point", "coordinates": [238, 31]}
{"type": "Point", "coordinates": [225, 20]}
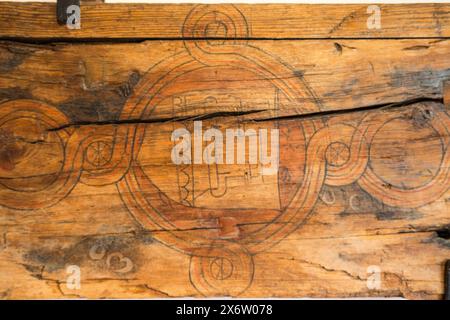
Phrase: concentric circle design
{"type": "Point", "coordinates": [24, 129]}
{"type": "Point", "coordinates": [221, 241]}
{"type": "Point", "coordinates": [221, 269]}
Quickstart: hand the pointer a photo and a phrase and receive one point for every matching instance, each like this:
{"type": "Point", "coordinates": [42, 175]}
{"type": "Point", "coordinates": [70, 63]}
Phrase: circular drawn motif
{"type": "Point", "coordinates": [218, 268]}
{"type": "Point", "coordinates": [221, 268]}
{"type": "Point", "coordinates": [409, 194]}
{"type": "Point", "coordinates": [328, 197]}
{"type": "Point", "coordinates": [203, 22]}
{"type": "Point", "coordinates": [224, 268]}
{"type": "Point", "coordinates": [98, 153]}
{"type": "Point", "coordinates": [222, 64]}
{"type": "Point", "coordinates": [337, 154]}
{"type": "Point", "coordinates": [25, 140]}
{"type": "Point", "coordinates": [216, 29]}
{"type": "Point", "coordinates": [38, 169]}
{"type": "Point", "coordinates": [400, 153]}
{"type": "Point", "coordinates": [346, 155]}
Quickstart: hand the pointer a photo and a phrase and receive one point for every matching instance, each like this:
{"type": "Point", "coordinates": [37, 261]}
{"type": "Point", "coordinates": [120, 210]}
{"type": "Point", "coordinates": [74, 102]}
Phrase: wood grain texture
{"type": "Point", "coordinates": [37, 20]}
{"type": "Point", "coordinates": [324, 249]}
{"type": "Point", "coordinates": [339, 75]}
{"type": "Point", "coordinates": [87, 178]}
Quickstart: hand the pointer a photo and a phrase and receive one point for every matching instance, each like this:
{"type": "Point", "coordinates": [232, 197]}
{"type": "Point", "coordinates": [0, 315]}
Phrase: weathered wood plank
{"type": "Point", "coordinates": [37, 20]}
{"type": "Point", "coordinates": [338, 268]}
{"type": "Point", "coordinates": [93, 200]}
{"type": "Point", "coordinates": [91, 82]}
{"type": "Point", "coordinates": [392, 200]}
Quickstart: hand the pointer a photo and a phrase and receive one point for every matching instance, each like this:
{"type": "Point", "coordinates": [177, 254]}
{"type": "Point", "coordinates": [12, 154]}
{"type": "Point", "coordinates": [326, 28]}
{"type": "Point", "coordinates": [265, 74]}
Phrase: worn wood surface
{"type": "Point", "coordinates": [37, 20]}
{"type": "Point", "coordinates": [87, 179]}
{"type": "Point", "coordinates": [338, 75]}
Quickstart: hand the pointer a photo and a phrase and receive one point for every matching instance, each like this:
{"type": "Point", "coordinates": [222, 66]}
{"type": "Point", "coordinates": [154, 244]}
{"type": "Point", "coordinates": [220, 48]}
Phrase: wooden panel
{"type": "Point", "coordinates": [91, 82]}
{"type": "Point", "coordinates": [88, 182]}
{"type": "Point", "coordinates": [365, 189]}
{"type": "Point", "coordinates": [37, 20]}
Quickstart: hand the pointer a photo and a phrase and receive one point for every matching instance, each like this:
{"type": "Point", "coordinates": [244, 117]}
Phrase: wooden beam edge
{"type": "Point", "coordinates": [256, 21]}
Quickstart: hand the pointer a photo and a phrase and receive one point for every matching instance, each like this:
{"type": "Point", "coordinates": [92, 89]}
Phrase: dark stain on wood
{"type": "Point", "coordinates": [102, 252]}
{"type": "Point", "coordinates": [12, 56]}
{"type": "Point", "coordinates": [427, 78]}
{"type": "Point", "coordinates": [103, 104]}
{"type": "Point", "coordinates": [20, 93]}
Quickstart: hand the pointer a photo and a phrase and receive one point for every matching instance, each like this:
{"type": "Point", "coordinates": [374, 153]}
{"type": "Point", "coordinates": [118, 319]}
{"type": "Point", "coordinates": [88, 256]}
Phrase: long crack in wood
{"type": "Point", "coordinates": [304, 116]}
